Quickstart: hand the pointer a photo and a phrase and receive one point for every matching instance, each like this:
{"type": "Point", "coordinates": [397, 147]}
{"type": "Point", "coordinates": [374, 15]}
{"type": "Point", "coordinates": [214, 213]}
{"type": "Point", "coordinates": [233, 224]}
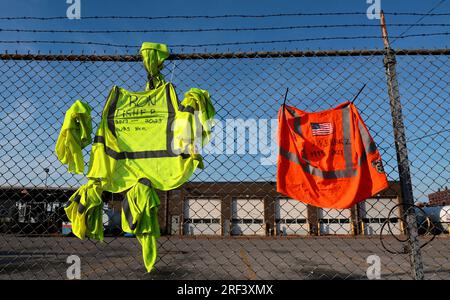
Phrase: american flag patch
{"type": "Point", "coordinates": [322, 128]}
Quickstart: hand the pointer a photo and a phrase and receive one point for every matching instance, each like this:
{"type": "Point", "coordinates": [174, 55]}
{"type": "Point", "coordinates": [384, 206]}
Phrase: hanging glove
{"type": "Point", "coordinates": [74, 136]}
{"type": "Point", "coordinates": [85, 211]}
{"type": "Point", "coordinates": [140, 217]}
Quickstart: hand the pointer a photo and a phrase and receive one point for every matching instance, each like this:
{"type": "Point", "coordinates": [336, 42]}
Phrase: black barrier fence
{"type": "Point", "coordinates": [228, 221]}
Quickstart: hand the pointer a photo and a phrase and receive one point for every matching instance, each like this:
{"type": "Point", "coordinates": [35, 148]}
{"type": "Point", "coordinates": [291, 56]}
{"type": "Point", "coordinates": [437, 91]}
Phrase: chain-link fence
{"type": "Point", "coordinates": [228, 221]}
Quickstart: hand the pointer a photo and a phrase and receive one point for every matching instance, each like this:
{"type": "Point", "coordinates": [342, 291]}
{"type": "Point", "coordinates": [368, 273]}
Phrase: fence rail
{"type": "Point", "coordinates": [191, 56]}
{"type": "Point", "coordinates": [228, 221]}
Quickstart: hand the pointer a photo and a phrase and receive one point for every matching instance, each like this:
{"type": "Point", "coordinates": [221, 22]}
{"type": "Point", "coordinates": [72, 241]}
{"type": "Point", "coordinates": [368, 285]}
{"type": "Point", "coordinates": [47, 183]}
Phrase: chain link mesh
{"type": "Point", "coordinates": [227, 222]}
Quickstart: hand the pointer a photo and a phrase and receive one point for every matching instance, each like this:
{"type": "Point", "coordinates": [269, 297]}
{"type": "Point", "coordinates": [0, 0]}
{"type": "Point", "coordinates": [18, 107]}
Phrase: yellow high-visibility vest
{"type": "Point", "coordinates": [145, 140]}
{"type": "Point", "coordinates": [150, 135]}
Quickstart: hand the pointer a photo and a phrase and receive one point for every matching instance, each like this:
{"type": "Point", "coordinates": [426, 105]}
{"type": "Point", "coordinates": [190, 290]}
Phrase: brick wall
{"type": "Point", "coordinates": [440, 198]}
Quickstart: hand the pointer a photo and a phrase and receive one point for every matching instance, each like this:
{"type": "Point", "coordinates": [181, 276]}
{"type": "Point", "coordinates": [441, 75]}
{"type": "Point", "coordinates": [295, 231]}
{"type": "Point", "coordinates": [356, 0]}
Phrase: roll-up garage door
{"type": "Point", "coordinates": [291, 217]}
{"type": "Point", "coordinates": [335, 221]}
{"type": "Point", "coordinates": [248, 217]}
{"type": "Point", "coordinates": [202, 217]}
{"type": "Point", "coordinates": [374, 212]}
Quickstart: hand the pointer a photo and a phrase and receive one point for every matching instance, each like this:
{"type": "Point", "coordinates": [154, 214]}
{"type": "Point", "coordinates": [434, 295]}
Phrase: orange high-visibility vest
{"type": "Point", "coordinates": [327, 158]}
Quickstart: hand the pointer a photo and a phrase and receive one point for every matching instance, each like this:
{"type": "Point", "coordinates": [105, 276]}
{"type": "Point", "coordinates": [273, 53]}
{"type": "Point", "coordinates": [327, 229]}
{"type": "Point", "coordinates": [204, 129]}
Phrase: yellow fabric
{"type": "Point", "coordinates": [140, 217]}
{"type": "Point", "coordinates": [153, 56]}
{"type": "Point", "coordinates": [136, 123]}
{"type": "Point", "coordinates": [75, 134]}
{"type": "Point", "coordinates": [85, 212]}
{"type": "Point", "coordinates": [145, 140]}
{"type": "Point", "coordinates": [200, 101]}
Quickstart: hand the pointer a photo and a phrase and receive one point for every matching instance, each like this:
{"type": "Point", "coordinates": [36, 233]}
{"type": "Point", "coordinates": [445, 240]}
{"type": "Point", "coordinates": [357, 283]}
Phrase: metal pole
{"type": "Point", "coordinates": [402, 156]}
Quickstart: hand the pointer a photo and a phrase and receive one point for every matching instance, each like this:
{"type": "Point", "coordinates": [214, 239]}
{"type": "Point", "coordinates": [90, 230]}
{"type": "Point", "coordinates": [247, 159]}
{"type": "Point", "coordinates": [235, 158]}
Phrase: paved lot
{"type": "Point", "coordinates": [217, 258]}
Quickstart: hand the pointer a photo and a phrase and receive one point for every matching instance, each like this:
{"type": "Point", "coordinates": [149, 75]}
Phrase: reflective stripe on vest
{"type": "Point", "coordinates": [327, 158]}
{"type": "Point", "coordinates": [168, 152]}
{"type": "Point", "coordinates": [349, 171]}
{"type": "Point", "coordinates": [126, 205]}
{"type": "Point", "coordinates": [145, 135]}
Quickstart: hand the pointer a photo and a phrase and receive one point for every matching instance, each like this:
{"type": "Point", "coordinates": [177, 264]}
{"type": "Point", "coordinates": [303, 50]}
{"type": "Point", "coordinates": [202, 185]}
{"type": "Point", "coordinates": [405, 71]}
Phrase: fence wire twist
{"type": "Point", "coordinates": [227, 222]}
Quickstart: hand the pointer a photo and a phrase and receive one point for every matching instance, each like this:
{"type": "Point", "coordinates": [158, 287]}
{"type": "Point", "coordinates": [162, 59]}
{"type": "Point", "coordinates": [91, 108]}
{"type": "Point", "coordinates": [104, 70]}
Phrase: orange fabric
{"type": "Point", "coordinates": [336, 165]}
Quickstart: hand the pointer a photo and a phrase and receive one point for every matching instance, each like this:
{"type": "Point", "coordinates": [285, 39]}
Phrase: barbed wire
{"type": "Point", "coordinates": [218, 29]}
{"type": "Point", "coordinates": [428, 135]}
{"type": "Point", "coordinates": [223, 16]}
{"type": "Point", "coordinates": [420, 19]}
{"type": "Point", "coordinates": [68, 42]}
{"type": "Point", "coordinates": [221, 44]}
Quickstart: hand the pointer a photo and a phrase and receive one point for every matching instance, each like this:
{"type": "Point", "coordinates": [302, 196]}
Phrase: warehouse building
{"type": "Point", "coordinates": [374, 212]}
{"type": "Point", "coordinates": [439, 198]}
{"type": "Point", "coordinates": [256, 209]}
{"type": "Point", "coordinates": [214, 209]}
{"type": "Point", "coordinates": [35, 210]}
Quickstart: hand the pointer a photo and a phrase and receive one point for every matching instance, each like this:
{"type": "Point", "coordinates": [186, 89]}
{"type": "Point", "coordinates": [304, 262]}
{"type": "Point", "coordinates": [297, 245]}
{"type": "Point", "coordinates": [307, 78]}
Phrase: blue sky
{"type": "Point", "coordinates": [50, 8]}
{"type": "Point", "coordinates": [35, 95]}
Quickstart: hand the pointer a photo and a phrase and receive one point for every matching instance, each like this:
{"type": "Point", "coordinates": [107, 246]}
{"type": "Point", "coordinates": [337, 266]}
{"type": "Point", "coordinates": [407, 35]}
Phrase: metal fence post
{"type": "Point", "coordinates": [402, 157]}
